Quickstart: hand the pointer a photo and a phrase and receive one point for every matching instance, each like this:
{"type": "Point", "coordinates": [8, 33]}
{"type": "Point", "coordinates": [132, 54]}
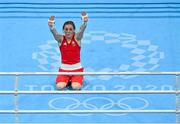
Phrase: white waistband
{"type": "Point", "coordinates": [71, 67]}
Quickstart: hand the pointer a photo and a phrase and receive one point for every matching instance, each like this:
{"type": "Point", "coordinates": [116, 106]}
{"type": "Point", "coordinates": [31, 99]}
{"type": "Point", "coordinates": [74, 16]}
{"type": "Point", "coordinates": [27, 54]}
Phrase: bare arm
{"type": "Point", "coordinates": [79, 35]}
{"type": "Point", "coordinates": [56, 35]}
{"type": "Point", "coordinates": [51, 25]}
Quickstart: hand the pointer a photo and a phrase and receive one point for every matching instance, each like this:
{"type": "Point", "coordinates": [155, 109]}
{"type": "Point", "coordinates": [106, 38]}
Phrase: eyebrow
{"type": "Point", "coordinates": [69, 29]}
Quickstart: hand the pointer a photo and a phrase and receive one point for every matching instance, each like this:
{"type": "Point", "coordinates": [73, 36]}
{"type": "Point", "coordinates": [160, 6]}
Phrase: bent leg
{"type": "Point", "coordinates": [76, 85]}
{"type": "Point", "coordinates": [77, 82]}
{"type": "Point", "coordinates": [61, 81]}
{"type": "Point", "coordinates": [61, 85]}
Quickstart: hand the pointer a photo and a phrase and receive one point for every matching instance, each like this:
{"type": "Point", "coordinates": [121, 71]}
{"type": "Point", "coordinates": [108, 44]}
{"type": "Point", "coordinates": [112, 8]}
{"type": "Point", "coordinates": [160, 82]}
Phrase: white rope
{"type": "Point", "coordinates": [90, 73]}
{"type": "Point", "coordinates": [93, 92]}
{"type": "Point", "coordinates": [84, 111]}
{"type": "Point", "coordinates": [16, 92]}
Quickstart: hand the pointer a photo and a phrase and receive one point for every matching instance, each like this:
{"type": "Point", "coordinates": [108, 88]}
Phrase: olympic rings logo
{"type": "Point", "coordinates": [97, 103]}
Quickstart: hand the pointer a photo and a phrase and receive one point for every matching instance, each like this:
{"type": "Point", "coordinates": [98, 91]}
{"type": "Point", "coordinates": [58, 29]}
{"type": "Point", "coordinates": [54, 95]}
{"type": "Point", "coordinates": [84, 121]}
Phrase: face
{"type": "Point", "coordinates": [69, 31]}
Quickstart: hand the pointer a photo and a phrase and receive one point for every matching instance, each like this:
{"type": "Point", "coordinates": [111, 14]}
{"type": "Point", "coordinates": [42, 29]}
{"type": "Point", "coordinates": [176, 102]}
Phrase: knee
{"type": "Point", "coordinates": [76, 86]}
{"type": "Point", "coordinates": [61, 85]}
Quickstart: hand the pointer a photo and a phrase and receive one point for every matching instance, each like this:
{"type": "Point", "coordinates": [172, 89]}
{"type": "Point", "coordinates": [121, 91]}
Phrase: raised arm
{"type": "Point", "coordinates": [79, 35]}
{"type": "Point", "coordinates": [51, 24]}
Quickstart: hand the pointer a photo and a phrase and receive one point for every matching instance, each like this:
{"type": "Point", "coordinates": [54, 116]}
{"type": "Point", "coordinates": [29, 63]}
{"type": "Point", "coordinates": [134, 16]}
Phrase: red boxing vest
{"type": "Point", "coordinates": [70, 53]}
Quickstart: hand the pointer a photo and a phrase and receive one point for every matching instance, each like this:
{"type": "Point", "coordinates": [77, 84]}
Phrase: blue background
{"type": "Point", "coordinates": [127, 40]}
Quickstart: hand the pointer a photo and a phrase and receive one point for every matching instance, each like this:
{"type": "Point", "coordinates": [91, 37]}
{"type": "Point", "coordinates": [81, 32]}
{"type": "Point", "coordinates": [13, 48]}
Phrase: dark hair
{"type": "Point", "coordinates": [69, 22]}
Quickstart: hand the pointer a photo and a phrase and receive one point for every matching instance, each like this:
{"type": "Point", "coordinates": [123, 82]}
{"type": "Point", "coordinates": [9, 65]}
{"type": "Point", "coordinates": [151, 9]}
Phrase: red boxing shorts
{"type": "Point", "coordinates": [72, 78]}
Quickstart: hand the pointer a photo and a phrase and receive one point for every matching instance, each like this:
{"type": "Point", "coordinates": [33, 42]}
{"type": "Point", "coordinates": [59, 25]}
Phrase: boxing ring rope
{"type": "Point", "coordinates": [16, 92]}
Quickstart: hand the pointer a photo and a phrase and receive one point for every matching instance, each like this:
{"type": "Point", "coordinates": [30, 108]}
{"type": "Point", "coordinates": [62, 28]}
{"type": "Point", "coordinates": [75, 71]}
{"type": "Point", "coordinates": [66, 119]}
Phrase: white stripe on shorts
{"type": "Point", "coordinates": [71, 67]}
